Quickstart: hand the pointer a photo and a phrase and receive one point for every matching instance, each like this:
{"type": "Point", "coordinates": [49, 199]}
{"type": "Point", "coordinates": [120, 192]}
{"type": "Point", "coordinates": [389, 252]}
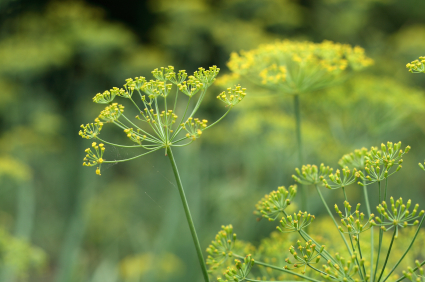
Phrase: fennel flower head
{"type": "Point", "coordinates": [298, 67]}
{"type": "Point", "coordinates": [417, 66]}
{"type": "Point", "coordinates": [160, 123]}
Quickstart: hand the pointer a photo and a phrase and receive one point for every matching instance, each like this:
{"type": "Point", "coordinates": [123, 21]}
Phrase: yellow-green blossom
{"type": "Point", "coordinates": [298, 67]}
{"type": "Point", "coordinates": [417, 66]}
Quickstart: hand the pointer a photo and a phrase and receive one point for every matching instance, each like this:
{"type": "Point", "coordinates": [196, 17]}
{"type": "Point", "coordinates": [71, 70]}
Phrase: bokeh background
{"type": "Point", "coordinates": [61, 222]}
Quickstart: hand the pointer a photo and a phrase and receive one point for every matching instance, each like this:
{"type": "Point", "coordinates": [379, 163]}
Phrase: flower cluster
{"type": "Point", "coordinates": [341, 182]}
{"type": "Point", "coordinates": [221, 248]}
{"type": "Point", "coordinates": [342, 269]}
{"type": "Point", "coordinates": [240, 271]}
{"type": "Point", "coordinates": [298, 67]}
{"type": "Point", "coordinates": [378, 163]}
{"type": "Point", "coordinates": [91, 130]}
{"type": "Point", "coordinates": [311, 174]}
{"type": "Point", "coordinates": [309, 254]}
{"type": "Point", "coordinates": [353, 222]}
{"type": "Point", "coordinates": [417, 66]}
{"type": "Point", "coordinates": [233, 96]}
{"type": "Point", "coordinates": [295, 223]}
{"type": "Point", "coordinates": [398, 215]}
{"type": "Point", "coordinates": [158, 125]}
{"type": "Point", "coordinates": [412, 275]}
{"type": "Point", "coordinates": [96, 157]}
{"type": "Point", "coordinates": [275, 203]}
{"type": "Point", "coordinates": [354, 160]}
{"type": "Point", "coordinates": [194, 127]}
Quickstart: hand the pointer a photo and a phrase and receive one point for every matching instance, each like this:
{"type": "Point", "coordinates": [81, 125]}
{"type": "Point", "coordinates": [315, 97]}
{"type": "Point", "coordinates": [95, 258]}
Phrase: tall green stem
{"type": "Point", "coordinates": [380, 237]}
{"type": "Point", "coordinates": [279, 269]}
{"type": "Point", "coordinates": [304, 203]}
{"type": "Point", "coordinates": [366, 197]}
{"type": "Point", "coordinates": [332, 217]}
{"type": "Point", "coordinates": [188, 215]}
{"type": "Point", "coordinates": [388, 254]}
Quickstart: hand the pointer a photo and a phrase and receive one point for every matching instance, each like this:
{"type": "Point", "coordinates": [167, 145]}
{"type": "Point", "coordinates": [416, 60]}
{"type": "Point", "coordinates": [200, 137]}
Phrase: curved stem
{"type": "Point", "coordinates": [366, 196]}
{"type": "Point", "coordinates": [279, 268]}
{"type": "Point", "coordinates": [381, 232]}
{"type": "Point", "coordinates": [138, 156]}
{"type": "Point", "coordinates": [408, 249]}
{"type": "Point", "coordinates": [118, 145]}
{"type": "Point", "coordinates": [325, 253]}
{"type": "Point", "coordinates": [188, 215]}
{"type": "Point", "coordinates": [218, 119]}
{"type": "Point", "coordinates": [414, 269]}
{"type": "Point", "coordinates": [332, 217]}
{"type": "Point", "coordinates": [388, 253]}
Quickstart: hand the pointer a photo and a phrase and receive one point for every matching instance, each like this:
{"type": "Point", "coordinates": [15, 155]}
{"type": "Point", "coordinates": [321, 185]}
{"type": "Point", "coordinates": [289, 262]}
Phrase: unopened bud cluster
{"type": "Point", "coordinates": [398, 214]}
{"type": "Point", "coordinates": [311, 174]}
{"type": "Point", "coordinates": [342, 269]}
{"type": "Point", "coordinates": [354, 160]}
{"type": "Point", "coordinates": [354, 222]}
{"type": "Point", "coordinates": [94, 158]}
{"type": "Point", "coordinates": [295, 223]}
{"type": "Point", "coordinates": [308, 254]}
{"type": "Point", "coordinates": [341, 180]}
{"type": "Point", "coordinates": [379, 163]}
{"type": "Point", "coordinates": [240, 271]}
{"type": "Point", "coordinates": [417, 66]}
{"type": "Point", "coordinates": [414, 276]}
{"type": "Point", "coordinates": [221, 248]}
{"type": "Point", "coordinates": [275, 203]}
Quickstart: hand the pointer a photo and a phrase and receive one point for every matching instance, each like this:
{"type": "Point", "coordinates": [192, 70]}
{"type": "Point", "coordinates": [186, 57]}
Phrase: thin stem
{"type": "Point", "coordinates": [253, 280]}
{"type": "Point", "coordinates": [360, 253]}
{"type": "Point", "coordinates": [304, 203]}
{"type": "Point", "coordinates": [218, 119]}
{"type": "Point", "coordinates": [118, 145]}
{"type": "Point", "coordinates": [380, 237]}
{"type": "Point", "coordinates": [414, 269]}
{"type": "Point", "coordinates": [357, 260]}
{"type": "Point", "coordinates": [322, 272]}
{"type": "Point", "coordinates": [279, 268]}
{"type": "Point", "coordinates": [366, 196]}
{"type": "Point", "coordinates": [138, 156]}
{"type": "Point", "coordinates": [336, 224]}
{"type": "Point", "coordinates": [188, 215]}
{"type": "Point", "coordinates": [318, 246]}
{"type": "Point", "coordinates": [388, 253]}
{"type": "Point", "coordinates": [408, 249]}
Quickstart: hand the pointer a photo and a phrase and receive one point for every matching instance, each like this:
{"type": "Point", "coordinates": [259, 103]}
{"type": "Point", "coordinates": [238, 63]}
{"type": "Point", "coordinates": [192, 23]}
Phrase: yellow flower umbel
{"type": "Point", "coordinates": [298, 67]}
{"type": "Point", "coordinates": [158, 124]}
{"type": "Point", "coordinates": [295, 68]}
{"type": "Point", "coordinates": [417, 66]}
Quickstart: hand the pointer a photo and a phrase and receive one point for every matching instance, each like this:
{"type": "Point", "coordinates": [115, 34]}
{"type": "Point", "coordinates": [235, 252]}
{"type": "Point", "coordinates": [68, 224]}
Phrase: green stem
{"type": "Point", "coordinates": [304, 203]}
{"type": "Point", "coordinates": [332, 217]}
{"type": "Point", "coordinates": [380, 237]}
{"type": "Point", "coordinates": [279, 268]}
{"type": "Point", "coordinates": [351, 240]}
{"type": "Point", "coordinates": [188, 215]}
{"type": "Point", "coordinates": [138, 156]}
{"type": "Point", "coordinates": [366, 196]}
{"type": "Point", "coordinates": [388, 253]}
{"type": "Point", "coordinates": [408, 249]}
{"type": "Point", "coordinates": [360, 253]}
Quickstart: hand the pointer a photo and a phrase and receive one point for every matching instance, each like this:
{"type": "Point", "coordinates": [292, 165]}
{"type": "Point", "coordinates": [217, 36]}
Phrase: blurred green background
{"type": "Point", "coordinates": [61, 222]}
